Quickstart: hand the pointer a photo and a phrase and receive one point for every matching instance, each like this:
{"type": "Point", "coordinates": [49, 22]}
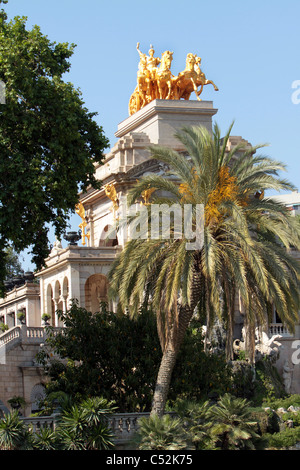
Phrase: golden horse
{"type": "Point", "coordinates": [201, 78]}
{"type": "Point", "coordinates": [190, 79]}
{"type": "Point", "coordinates": [163, 77]}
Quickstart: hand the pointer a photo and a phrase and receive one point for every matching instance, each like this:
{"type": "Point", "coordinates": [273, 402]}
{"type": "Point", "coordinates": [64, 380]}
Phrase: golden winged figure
{"type": "Point", "coordinates": [79, 209]}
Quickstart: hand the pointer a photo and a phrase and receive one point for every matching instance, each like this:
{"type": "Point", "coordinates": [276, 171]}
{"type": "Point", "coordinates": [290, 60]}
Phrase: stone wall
{"type": "Point", "coordinates": [19, 374]}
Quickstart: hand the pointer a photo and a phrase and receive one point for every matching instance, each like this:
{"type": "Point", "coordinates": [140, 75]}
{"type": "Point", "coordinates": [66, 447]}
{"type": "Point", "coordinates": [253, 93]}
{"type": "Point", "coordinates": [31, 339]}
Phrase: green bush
{"type": "Point", "coordinates": [242, 379]}
{"type": "Point", "coordinates": [3, 327]}
{"type": "Point", "coordinates": [284, 439]}
{"type": "Point", "coordinates": [14, 435]}
{"type": "Point", "coordinates": [164, 433]}
{"type": "Point", "coordinates": [291, 400]}
{"type": "Point", "coordinates": [292, 416]}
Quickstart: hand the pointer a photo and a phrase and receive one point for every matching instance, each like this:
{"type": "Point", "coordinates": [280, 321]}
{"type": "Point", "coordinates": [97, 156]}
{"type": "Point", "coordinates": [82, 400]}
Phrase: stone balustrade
{"type": "Point", "coordinates": [122, 425]}
{"type": "Point", "coordinates": [10, 335]}
{"type": "Point", "coordinates": [28, 334]}
{"type": "Point", "coordinates": [278, 329]}
{"type": "Point", "coordinates": [40, 422]}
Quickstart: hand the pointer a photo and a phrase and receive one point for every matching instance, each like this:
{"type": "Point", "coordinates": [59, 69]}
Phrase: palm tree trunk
{"type": "Point", "coordinates": [230, 297]}
{"type": "Point", "coordinates": [163, 380]}
{"type": "Point", "coordinates": [169, 359]}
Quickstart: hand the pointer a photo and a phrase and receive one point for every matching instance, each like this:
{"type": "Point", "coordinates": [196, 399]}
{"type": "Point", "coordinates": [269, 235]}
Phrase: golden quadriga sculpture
{"type": "Point", "coordinates": [155, 80]}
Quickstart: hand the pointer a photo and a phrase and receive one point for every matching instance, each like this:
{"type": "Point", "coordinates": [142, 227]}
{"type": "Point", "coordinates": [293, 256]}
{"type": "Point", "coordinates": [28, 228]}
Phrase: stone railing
{"type": "Point", "coordinates": [28, 334]}
{"type": "Point", "coordinates": [22, 334]}
{"type": "Point", "coordinates": [40, 422]}
{"type": "Point", "coordinates": [122, 425]}
{"type": "Point", "coordinates": [10, 335]}
{"type": "Point", "coordinates": [278, 329]}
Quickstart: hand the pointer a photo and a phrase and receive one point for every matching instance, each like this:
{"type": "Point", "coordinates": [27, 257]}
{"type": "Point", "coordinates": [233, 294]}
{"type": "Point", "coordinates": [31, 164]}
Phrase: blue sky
{"type": "Point", "coordinates": [250, 49]}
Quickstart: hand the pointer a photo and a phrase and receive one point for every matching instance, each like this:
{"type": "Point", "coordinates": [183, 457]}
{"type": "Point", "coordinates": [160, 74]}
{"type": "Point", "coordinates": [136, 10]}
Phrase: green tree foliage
{"type": "Point", "coordinates": [13, 263]}
{"type": "Point", "coordinates": [118, 358]}
{"type": "Point", "coordinates": [197, 375]}
{"type": "Point", "coordinates": [107, 355]}
{"type": "Point", "coordinates": [49, 141]}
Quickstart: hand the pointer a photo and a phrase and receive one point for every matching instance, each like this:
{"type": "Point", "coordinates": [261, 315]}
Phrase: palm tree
{"type": "Point", "coordinates": [45, 439]}
{"type": "Point", "coordinates": [232, 427]}
{"type": "Point", "coordinates": [195, 417]}
{"type": "Point", "coordinates": [84, 426]}
{"type": "Point", "coordinates": [161, 433]}
{"type": "Point", "coordinates": [14, 434]}
{"type": "Point", "coordinates": [245, 236]}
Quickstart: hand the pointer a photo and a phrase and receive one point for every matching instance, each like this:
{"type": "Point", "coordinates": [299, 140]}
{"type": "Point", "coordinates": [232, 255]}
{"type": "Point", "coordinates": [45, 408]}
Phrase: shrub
{"type": "Point", "coordinates": [3, 327]}
{"type": "Point", "coordinates": [45, 439]}
{"type": "Point", "coordinates": [292, 400]}
{"type": "Point", "coordinates": [285, 439]}
{"type": "Point", "coordinates": [84, 427]}
{"type": "Point", "coordinates": [292, 416]}
{"type": "Point", "coordinates": [157, 433]}
{"type": "Point", "coordinates": [14, 435]}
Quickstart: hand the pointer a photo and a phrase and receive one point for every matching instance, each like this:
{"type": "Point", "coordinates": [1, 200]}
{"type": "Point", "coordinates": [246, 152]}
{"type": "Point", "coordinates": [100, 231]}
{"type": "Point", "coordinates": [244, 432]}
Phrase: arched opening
{"type": "Point", "coordinates": [65, 287]}
{"type": "Point", "coordinates": [50, 305]}
{"type": "Point", "coordinates": [57, 291]}
{"type": "Point", "coordinates": [96, 288]}
{"type": "Point", "coordinates": [108, 237]}
{"type": "Point", "coordinates": [65, 294]}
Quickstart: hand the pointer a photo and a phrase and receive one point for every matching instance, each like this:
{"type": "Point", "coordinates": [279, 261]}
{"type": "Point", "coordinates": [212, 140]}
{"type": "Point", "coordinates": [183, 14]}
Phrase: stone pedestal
{"type": "Point", "coordinates": [160, 119]}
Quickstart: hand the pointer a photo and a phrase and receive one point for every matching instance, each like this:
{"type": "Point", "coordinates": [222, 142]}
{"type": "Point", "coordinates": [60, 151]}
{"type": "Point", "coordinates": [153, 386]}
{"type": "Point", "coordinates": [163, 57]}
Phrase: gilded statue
{"type": "Point", "coordinates": [79, 209]}
{"type": "Point", "coordinates": [111, 193]}
{"type": "Point", "coordinates": [156, 81]}
{"type": "Point", "coordinates": [146, 194]}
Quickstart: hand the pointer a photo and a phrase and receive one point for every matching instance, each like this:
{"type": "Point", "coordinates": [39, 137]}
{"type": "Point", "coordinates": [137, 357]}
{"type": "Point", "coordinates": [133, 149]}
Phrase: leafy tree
{"type": "Point", "coordinates": [104, 354]}
{"type": "Point", "coordinates": [13, 263]}
{"type": "Point", "coordinates": [49, 141]}
{"type": "Point", "coordinates": [196, 374]}
{"type": "Point", "coordinates": [244, 251]}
